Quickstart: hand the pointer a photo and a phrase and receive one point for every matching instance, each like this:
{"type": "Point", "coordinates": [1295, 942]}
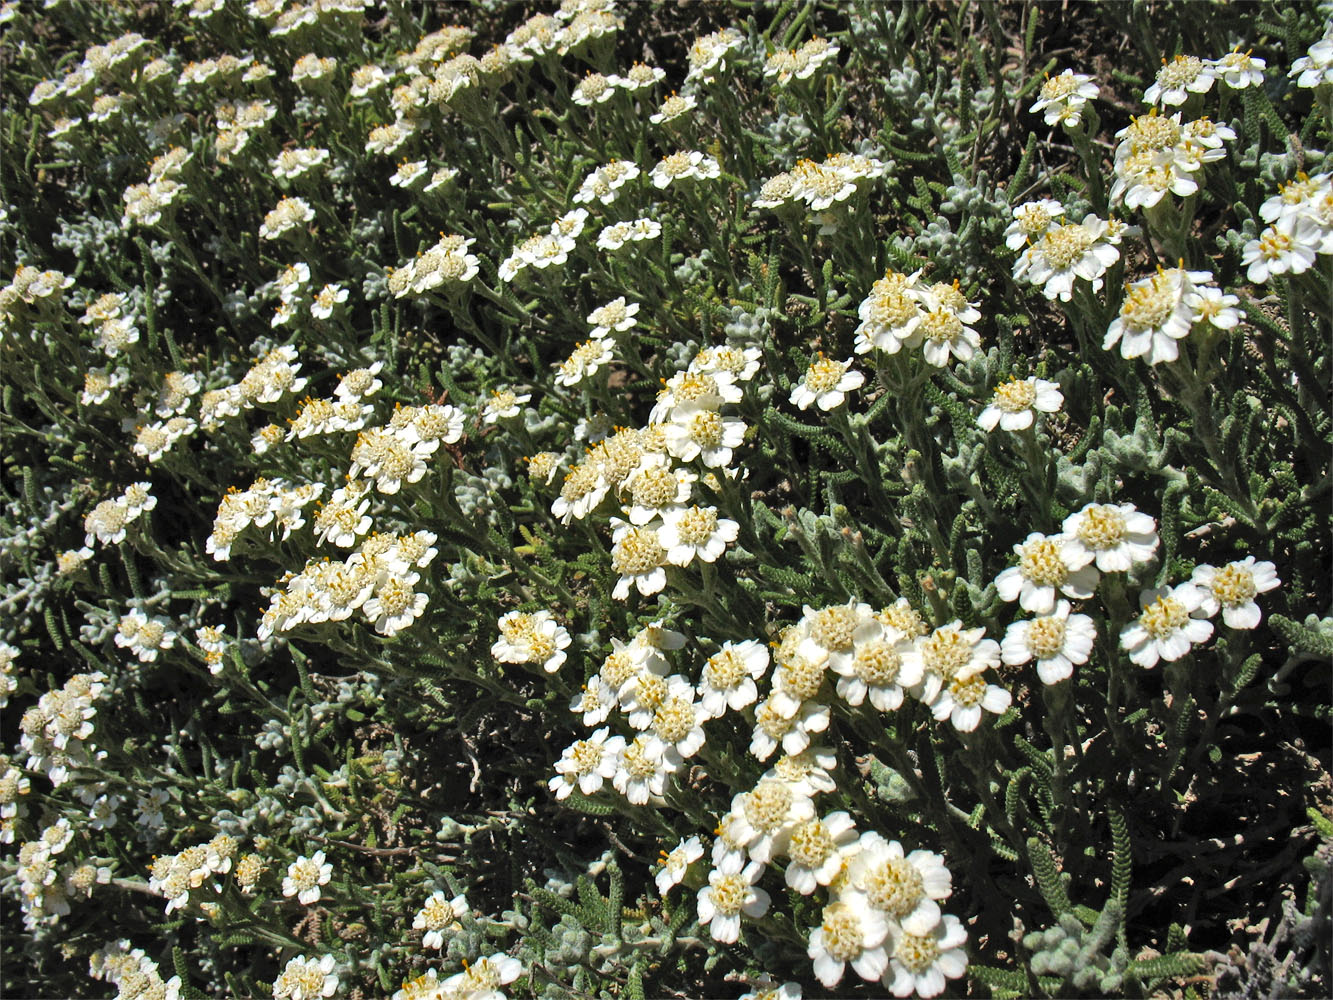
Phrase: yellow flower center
{"type": "Point", "coordinates": [696, 526]}
{"type": "Point", "coordinates": [1040, 562]}
{"type": "Point", "coordinates": [1016, 395]}
{"type": "Point", "coordinates": [1046, 637]}
{"type": "Point", "coordinates": [1147, 306]}
{"type": "Point", "coordinates": [832, 627]}
{"type": "Point", "coordinates": [894, 886]}
{"type": "Point", "coordinates": [725, 670]}
{"type": "Point", "coordinates": [1233, 585]}
{"type": "Point", "coordinates": [877, 664]}
{"type": "Point", "coordinates": [638, 552]}
{"type": "Point", "coordinates": [1102, 527]}
{"type": "Point", "coordinates": [824, 375]}
{"type": "Point", "coordinates": [917, 952]}
{"type": "Point", "coordinates": [1163, 617]}
{"type": "Point", "coordinates": [768, 806]}
{"type": "Point", "coordinates": [811, 844]}
{"type": "Point", "coordinates": [1064, 245]}
{"type": "Point", "coordinates": [842, 932]}
{"type": "Point", "coordinates": [674, 720]}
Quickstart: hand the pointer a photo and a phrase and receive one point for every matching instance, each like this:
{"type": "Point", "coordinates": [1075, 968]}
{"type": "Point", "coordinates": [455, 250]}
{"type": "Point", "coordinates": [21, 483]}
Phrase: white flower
{"type": "Point", "coordinates": [921, 963]}
{"type": "Point", "coordinates": [1315, 68]}
{"type": "Point", "coordinates": [584, 361]}
{"type": "Point", "coordinates": [772, 729]}
{"type": "Point", "coordinates": [818, 850]}
{"type": "Point", "coordinates": [726, 896]}
{"type": "Point", "coordinates": [1031, 220]}
{"type": "Point", "coordinates": [949, 652]}
{"type": "Point", "coordinates": [286, 216]}
{"type": "Point", "coordinates": [1289, 245]}
{"type": "Point", "coordinates": [1064, 96]}
{"type": "Point", "coordinates": [615, 315]}
{"type": "Point", "coordinates": [1045, 567]}
{"type": "Point", "coordinates": [586, 764]}
{"type": "Point", "coordinates": [638, 77]}
{"type": "Point", "coordinates": [1068, 251]}
{"type": "Point", "coordinates": [305, 876]}
{"type": "Point", "coordinates": [694, 532]}
{"type": "Point", "coordinates": [961, 701]}
{"type": "Point", "coordinates": [1154, 315]}
{"type": "Point", "coordinates": [850, 931]}
{"type": "Point", "coordinates": [825, 384]}
{"type": "Point", "coordinates": [395, 605]}
{"type": "Point", "coordinates": [904, 887]}
{"type": "Point", "coordinates": [697, 431]}
{"type": "Point", "coordinates": [1057, 642]}
{"type": "Point", "coordinates": [684, 164]}
{"type": "Point", "coordinates": [593, 89]}
{"type": "Point", "coordinates": [672, 108]}
{"type": "Point", "coordinates": [880, 667]}
{"type": "Point", "coordinates": [1239, 70]}
{"type": "Point", "coordinates": [638, 556]}
{"type": "Point", "coordinates": [143, 636]}
{"type": "Point", "coordinates": [1116, 535]}
{"type": "Point", "coordinates": [437, 915]}
{"type": "Point", "coordinates": [532, 638]}
{"type": "Point", "coordinates": [1232, 590]}
{"type": "Point", "coordinates": [1166, 628]}
{"type": "Point", "coordinates": [760, 818]}
{"type": "Point", "coordinates": [503, 404]}
{"type": "Point", "coordinates": [1177, 79]}
{"type": "Point", "coordinates": [729, 675]}
{"type": "Point", "coordinates": [675, 864]}
{"type": "Point", "coordinates": [642, 769]}
{"type": "Point", "coordinates": [306, 979]}
{"type": "Point", "coordinates": [1012, 406]}
{"type": "Point", "coordinates": [328, 299]}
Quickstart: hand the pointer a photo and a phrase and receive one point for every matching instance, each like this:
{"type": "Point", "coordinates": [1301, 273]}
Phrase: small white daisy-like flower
{"type": "Point", "coordinates": [726, 896]}
{"type": "Point", "coordinates": [1064, 96]}
{"type": "Point", "coordinates": [904, 887]}
{"type": "Point", "coordinates": [921, 963]}
{"type": "Point", "coordinates": [1177, 79]}
{"type": "Point", "coordinates": [677, 863]}
{"type": "Point", "coordinates": [850, 931]}
{"type": "Point", "coordinates": [1287, 246]}
{"type": "Point", "coordinates": [1115, 535]}
{"type": "Point", "coordinates": [584, 361]}
{"type": "Point", "coordinates": [642, 769]}
{"type": "Point", "coordinates": [593, 89]}
{"type": "Point", "coordinates": [503, 404]}
{"type": "Point", "coordinates": [586, 764]}
{"type": "Point", "coordinates": [1239, 70]}
{"type": "Point", "coordinates": [1031, 220]}
{"type": "Point", "coordinates": [305, 876]}
{"type": "Point", "coordinates": [616, 315]}
{"type": "Point", "coordinates": [329, 298]}
{"type": "Point", "coordinates": [638, 556]}
{"type": "Point", "coordinates": [697, 431]}
{"type": "Point", "coordinates": [826, 384]}
{"type": "Point", "coordinates": [818, 850]}
{"type": "Point", "coordinates": [438, 914]}
{"type": "Point", "coordinates": [306, 979]}
{"type": "Point", "coordinates": [1154, 315]}
{"type": "Point", "coordinates": [1057, 642]}
{"type": "Point", "coordinates": [1044, 569]}
{"type": "Point", "coordinates": [285, 217]}
{"type": "Point", "coordinates": [689, 533]}
{"type": "Point", "coordinates": [961, 701]}
{"type": "Point", "coordinates": [395, 605]}
{"type": "Point", "coordinates": [638, 76]}
{"type": "Point", "coordinates": [792, 733]}
{"type": "Point", "coordinates": [1232, 589]}
{"type": "Point", "coordinates": [682, 165]}
{"type": "Point", "coordinates": [672, 108]}
{"type": "Point", "coordinates": [1013, 406]}
{"type": "Point", "coordinates": [880, 667]}
{"type": "Point", "coordinates": [729, 676]}
{"type": "Point", "coordinates": [1315, 68]}
{"type": "Point", "coordinates": [1167, 627]}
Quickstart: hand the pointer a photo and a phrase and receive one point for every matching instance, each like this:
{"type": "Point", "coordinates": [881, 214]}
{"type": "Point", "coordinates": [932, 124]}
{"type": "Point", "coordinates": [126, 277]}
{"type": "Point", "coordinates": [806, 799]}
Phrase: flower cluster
{"type": "Point", "coordinates": [531, 638]}
{"type": "Point", "coordinates": [175, 876]}
{"type": "Point", "coordinates": [820, 185]}
{"type": "Point", "coordinates": [901, 311]}
{"type": "Point", "coordinates": [1300, 225]}
{"type": "Point", "coordinates": [447, 264]}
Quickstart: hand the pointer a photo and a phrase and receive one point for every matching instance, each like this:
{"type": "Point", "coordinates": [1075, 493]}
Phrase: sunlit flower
{"type": "Point", "coordinates": [1169, 624]}
{"type": "Point", "coordinates": [1232, 589]}
{"type": "Point", "coordinates": [1013, 406]}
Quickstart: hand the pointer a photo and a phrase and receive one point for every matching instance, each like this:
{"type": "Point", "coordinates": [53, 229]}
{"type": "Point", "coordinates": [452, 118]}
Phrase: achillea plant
{"type": "Point", "coordinates": [842, 508]}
